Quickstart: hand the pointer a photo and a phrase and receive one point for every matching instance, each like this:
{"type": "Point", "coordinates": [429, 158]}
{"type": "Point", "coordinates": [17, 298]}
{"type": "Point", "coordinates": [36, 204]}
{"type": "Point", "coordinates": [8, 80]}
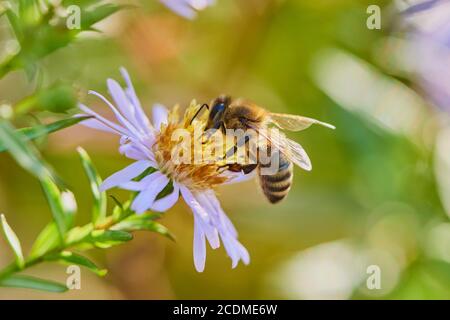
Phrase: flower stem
{"type": "Point", "coordinates": [14, 268]}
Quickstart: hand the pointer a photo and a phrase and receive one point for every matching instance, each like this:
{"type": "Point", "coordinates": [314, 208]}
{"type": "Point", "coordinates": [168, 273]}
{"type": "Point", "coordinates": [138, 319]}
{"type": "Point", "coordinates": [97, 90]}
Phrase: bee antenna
{"type": "Point", "coordinates": [205, 105]}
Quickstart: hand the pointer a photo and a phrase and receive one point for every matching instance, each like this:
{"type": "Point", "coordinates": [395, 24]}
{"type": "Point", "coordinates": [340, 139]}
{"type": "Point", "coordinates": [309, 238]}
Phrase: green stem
{"type": "Point", "coordinates": [14, 268]}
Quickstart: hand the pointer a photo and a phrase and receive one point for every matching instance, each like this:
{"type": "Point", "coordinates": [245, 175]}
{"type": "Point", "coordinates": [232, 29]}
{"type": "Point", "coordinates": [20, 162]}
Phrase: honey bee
{"type": "Point", "coordinates": [226, 113]}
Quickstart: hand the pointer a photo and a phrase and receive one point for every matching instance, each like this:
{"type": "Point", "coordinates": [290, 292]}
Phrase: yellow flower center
{"type": "Point", "coordinates": [180, 153]}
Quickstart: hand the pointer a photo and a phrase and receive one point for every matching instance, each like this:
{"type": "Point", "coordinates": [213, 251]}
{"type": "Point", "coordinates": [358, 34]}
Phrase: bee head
{"type": "Point", "coordinates": [219, 105]}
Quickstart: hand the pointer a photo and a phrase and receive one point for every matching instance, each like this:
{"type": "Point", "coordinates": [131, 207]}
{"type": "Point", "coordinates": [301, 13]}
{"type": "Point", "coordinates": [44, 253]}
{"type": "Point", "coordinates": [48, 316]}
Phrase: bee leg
{"type": "Point", "coordinates": [222, 127]}
{"type": "Point", "coordinates": [249, 168]}
{"type": "Point", "coordinates": [234, 167]}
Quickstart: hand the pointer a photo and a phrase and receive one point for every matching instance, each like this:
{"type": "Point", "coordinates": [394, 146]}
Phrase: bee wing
{"type": "Point", "coordinates": [291, 149]}
{"type": "Point", "coordinates": [295, 123]}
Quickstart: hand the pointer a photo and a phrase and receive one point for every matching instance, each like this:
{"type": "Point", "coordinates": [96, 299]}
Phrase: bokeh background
{"type": "Point", "coordinates": [379, 190]}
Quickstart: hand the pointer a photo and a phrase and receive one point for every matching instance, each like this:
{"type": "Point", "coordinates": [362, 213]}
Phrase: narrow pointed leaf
{"type": "Point", "coordinates": [143, 222]}
{"type": "Point", "coordinates": [47, 240]}
{"type": "Point", "coordinates": [32, 283]}
{"type": "Point", "coordinates": [108, 238]}
{"type": "Point", "coordinates": [78, 234]}
{"type": "Point", "coordinates": [72, 258]}
{"type": "Point", "coordinates": [110, 235]}
{"type": "Point", "coordinates": [42, 130]}
{"type": "Point", "coordinates": [121, 210]}
{"type": "Point", "coordinates": [15, 24]}
{"type": "Point", "coordinates": [38, 131]}
{"type": "Point", "coordinates": [29, 11]}
{"type": "Point", "coordinates": [81, 3]}
{"type": "Point", "coordinates": [63, 217]}
{"type": "Point", "coordinates": [99, 209]}
{"type": "Point", "coordinates": [24, 154]}
{"type": "Point", "coordinates": [13, 241]}
{"type": "Point", "coordinates": [98, 13]}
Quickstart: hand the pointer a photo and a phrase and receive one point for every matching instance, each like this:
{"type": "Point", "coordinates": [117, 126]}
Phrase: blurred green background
{"type": "Point", "coordinates": [377, 192]}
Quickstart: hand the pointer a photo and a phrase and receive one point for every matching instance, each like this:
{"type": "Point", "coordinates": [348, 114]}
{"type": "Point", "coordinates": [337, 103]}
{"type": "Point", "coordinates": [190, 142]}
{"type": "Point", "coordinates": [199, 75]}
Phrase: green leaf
{"type": "Point", "coordinates": [24, 154]}
{"type": "Point", "coordinates": [143, 222]}
{"type": "Point", "coordinates": [110, 235]}
{"type": "Point", "coordinates": [72, 258]}
{"type": "Point", "coordinates": [108, 238]}
{"type": "Point", "coordinates": [78, 234]}
{"type": "Point", "coordinates": [99, 210]}
{"type": "Point", "coordinates": [117, 202]}
{"type": "Point", "coordinates": [47, 240]}
{"type": "Point", "coordinates": [81, 3]}
{"type": "Point", "coordinates": [39, 38]}
{"type": "Point", "coordinates": [32, 283]}
{"type": "Point", "coordinates": [41, 130]}
{"type": "Point", "coordinates": [61, 211]}
{"type": "Point", "coordinates": [15, 24]}
{"type": "Point", "coordinates": [13, 242]}
{"type": "Point", "coordinates": [29, 12]}
{"type": "Point", "coordinates": [121, 211]}
{"type": "Point", "coordinates": [98, 13]}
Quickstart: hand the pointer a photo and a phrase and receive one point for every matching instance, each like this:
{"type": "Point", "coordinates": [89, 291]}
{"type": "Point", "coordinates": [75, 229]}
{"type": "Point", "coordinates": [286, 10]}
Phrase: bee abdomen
{"type": "Point", "coordinates": [280, 176]}
{"type": "Point", "coordinates": [276, 187]}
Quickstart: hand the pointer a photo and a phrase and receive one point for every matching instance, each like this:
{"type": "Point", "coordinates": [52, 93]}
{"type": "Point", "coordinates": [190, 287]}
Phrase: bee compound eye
{"type": "Point", "coordinates": [216, 110]}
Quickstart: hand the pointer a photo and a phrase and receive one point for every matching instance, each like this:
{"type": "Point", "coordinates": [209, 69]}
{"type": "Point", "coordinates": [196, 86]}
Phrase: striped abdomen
{"type": "Point", "coordinates": [276, 186]}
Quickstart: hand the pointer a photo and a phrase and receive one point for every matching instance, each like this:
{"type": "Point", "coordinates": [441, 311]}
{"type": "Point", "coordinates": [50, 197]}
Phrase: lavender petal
{"type": "Point", "coordinates": [131, 151]}
{"type": "Point", "coordinates": [180, 7]}
{"type": "Point", "coordinates": [156, 182]}
{"type": "Point", "coordinates": [132, 131]}
{"type": "Point", "coordinates": [204, 219]}
{"type": "Point", "coordinates": [199, 247]}
{"type": "Point", "coordinates": [168, 201]}
{"type": "Point", "coordinates": [121, 100]}
{"type": "Point", "coordinates": [160, 116]}
{"type": "Point", "coordinates": [105, 121]}
{"type": "Point", "coordinates": [125, 175]}
{"type": "Point", "coordinates": [96, 124]}
{"type": "Point", "coordinates": [141, 117]}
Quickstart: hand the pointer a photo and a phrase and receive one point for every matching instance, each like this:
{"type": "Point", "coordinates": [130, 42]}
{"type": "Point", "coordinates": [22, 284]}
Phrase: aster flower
{"type": "Point", "coordinates": [428, 30]}
{"type": "Point", "coordinates": [150, 145]}
{"type": "Point", "coordinates": [187, 8]}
